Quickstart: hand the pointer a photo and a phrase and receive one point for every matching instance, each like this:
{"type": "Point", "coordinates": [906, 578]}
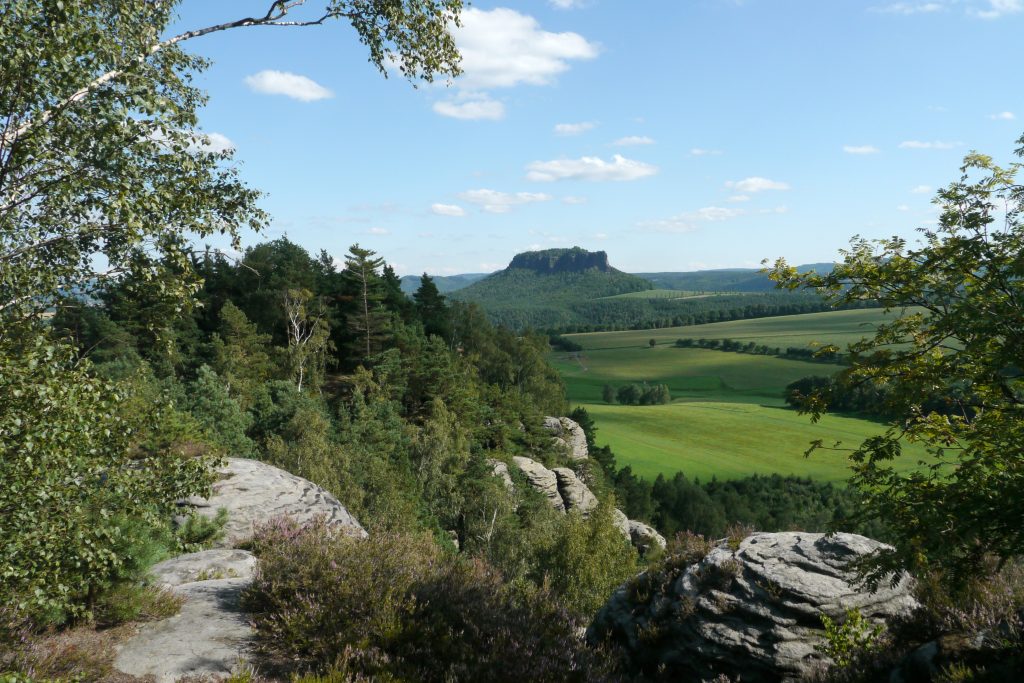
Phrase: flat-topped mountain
{"type": "Point", "coordinates": [544, 288]}
{"type": "Point", "coordinates": [575, 260]}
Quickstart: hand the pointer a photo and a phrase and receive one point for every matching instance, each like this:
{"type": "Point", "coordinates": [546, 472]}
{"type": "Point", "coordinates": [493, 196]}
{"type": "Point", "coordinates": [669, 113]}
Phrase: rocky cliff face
{"type": "Point", "coordinates": [752, 613]}
{"type": "Point", "coordinates": [573, 260]}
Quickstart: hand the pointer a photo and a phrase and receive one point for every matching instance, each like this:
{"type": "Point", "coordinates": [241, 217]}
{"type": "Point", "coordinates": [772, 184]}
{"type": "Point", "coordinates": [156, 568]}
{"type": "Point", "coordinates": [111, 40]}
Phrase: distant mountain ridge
{"type": "Point", "coordinates": [445, 283]}
{"type": "Point", "coordinates": [575, 260]}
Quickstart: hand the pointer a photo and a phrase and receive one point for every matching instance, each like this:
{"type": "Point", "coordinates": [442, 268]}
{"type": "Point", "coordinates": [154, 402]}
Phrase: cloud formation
{"type": "Point", "coordinates": [999, 8]}
{"type": "Point", "coordinates": [921, 189]}
{"type": "Point", "coordinates": [270, 82]}
{"type": "Point", "coordinates": [690, 221]}
{"type": "Point", "coordinates": [756, 184]}
{"type": "Point", "coordinates": [447, 210]}
{"type": "Point", "coordinates": [632, 140]}
{"type": "Point", "coordinates": [502, 48]}
{"type": "Point", "coordinates": [573, 128]}
{"type": "Point", "coordinates": [907, 8]}
{"type": "Point", "coordinates": [698, 152]}
{"type": "Point", "coordinates": [1002, 116]}
{"type": "Point", "coordinates": [860, 149]}
{"type": "Point", "coordinates": [494, 201]}
{"type": "Point", "coordinates": [471, 108]}
{"type": "Point", "coordinates": [589, 168]}
{"type": "Point", "coordinates": [921, 144]}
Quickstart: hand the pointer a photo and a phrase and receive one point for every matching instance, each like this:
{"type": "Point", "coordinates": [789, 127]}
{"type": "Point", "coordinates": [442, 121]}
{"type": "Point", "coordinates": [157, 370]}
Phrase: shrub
{"type": "Point", "coordinates": [84, 500]}
{"type": "Point", "coordinates": [849, 639]}
{"type": "Point", "coordinates": [394, 607]}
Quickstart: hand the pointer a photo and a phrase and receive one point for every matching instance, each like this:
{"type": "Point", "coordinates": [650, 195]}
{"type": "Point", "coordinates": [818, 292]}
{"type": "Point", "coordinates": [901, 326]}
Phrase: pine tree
{"type": "Point", "coordinates": [430, 304]}
{"type": "Point", "coordinates": [368, 321]}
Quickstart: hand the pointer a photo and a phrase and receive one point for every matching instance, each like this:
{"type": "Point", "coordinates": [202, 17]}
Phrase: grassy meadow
{"type": "Point", "coordinates": [727, 417]}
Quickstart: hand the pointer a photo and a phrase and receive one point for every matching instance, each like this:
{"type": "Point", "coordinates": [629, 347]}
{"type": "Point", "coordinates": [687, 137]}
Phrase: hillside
{"type": "Point", "coordinates": [446, 284]}
{"type": "Point", "coordinates": [724, 280]}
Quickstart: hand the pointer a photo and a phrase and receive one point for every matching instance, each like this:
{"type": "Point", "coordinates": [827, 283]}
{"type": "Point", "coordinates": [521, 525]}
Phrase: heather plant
{"type": "Point", "coordinates": [395, 607]}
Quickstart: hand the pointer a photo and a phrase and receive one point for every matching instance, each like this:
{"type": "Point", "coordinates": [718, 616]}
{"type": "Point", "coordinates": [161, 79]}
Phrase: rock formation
{"type": "Point", "coordinates": [210, 638]}
{"type": "Point", "coordinates": [253, 492]}
{"type": "Point", "coordinates": [752, 613]}
{"type": "Point", "coordinates": [566, 491]}
{"type": "Point", "coordinates": [568, 434]}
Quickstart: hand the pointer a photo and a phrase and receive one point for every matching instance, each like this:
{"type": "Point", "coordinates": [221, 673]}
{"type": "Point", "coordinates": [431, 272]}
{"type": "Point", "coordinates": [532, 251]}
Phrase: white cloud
{"type": "Point", "coordinates": [698, 152]}
{"type": "Point", "coordinates": [488, 267]}
{"type": "Point", "coordinates": [567, 4]}
{"type": "Point", "coordinates": [1002, 116]}
{"type": "Point", "coordinates": [998, 8]}
{"type": "Point", "coordinates": [756, 184]}
{"type": "Point", "coordinates": [600, 236]}
{"type": "Point", "coordinates": [379, 231]}
{"type": "Point", "coordinates": [502, 48]}
{"type": "Point", "coordinates": [921, 189]}
{"type": "Point", "coordinates": [494, 201]}
{"type": "Point", "coordinates": [270, 82]}
{"type": "Point", "coordinates": [631, 140]}
{"type": "Point", "coordinates": [574, 200]}
{"type": "Point", "coordinates": [777, 209]}
{"type": "Point", "coordinates": [589, 168]}
{"type": "Point", "coordinates": [903, 207]}
{"type": "Point", "coordinates": [907, 8]}
{"type": "Point", "coordinates": [688, 222]}
{"type": "Point", "coordinates": [935, 144]}
{"type": "Point", "coordinates": [739, 198]}
{"type": "Point", "coordinates": [860, 149]}
{"type": "Point", "coordinates": [573, 128]}
{"type": "Point", "coordinates": [473, 107]}
{"type": "Point", "coordinates": [447, 209]}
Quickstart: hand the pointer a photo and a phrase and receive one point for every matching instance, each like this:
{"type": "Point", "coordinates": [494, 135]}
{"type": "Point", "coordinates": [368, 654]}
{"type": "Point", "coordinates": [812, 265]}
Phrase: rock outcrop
{"type": "Point", "coordinates": [254, 492]}
{"type": "Point", "coordinates": [753, 613]}
{"type": "Point", "coordinates": [210, 638]}
{"type": "Point", "coordinates": [568, 434]}
{"type": "Point", "coordinates": [541, 479]}
{"type": "Point", "coordinates": [566, 491]}
{"type": "Point", "coordinates": [500, 470]}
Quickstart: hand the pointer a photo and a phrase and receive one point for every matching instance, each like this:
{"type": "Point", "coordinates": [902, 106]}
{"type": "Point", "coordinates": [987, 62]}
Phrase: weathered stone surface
{"type": "Point", "coordinates": [254, 492]}
{"type": "Point", "coordinates": [542, 479]}
{"type": "Point", "coordinates": [644, 536]}
{"type": "Point", "coordinates": [621, 522]}
{"type": "Point", "coordinates": [568, 434]}
{"type": "Point", "coordinates": [500, 470]}
{"type": "Point", "coordinates": [209, 639]}
{"type": "Point", "coordinates": [219, 563]}
{"type": "Point", "coordinates": [753, 613]}
{"type": "Point", "coordinates": [575, 494]}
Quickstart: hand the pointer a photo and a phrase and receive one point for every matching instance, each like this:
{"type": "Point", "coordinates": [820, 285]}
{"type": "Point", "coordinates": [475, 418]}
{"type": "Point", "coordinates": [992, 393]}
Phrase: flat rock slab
{"type": "Point", "coordinates": [219, 563]}
{"type": "Point", "coordinates": [254, 492]}
{"type": "Point", "coordinates": [210, 638]}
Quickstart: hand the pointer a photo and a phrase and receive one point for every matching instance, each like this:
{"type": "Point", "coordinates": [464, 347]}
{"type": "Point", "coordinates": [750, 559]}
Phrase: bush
{"type": "Point", "coordinates": [84, 498]}
{"type": "Point", "coordinates": [394, 607]}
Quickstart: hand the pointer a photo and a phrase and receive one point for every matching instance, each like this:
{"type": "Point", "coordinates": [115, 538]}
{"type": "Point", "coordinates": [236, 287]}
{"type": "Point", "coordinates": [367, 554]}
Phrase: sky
{"type": "Point", "coordinates": [674, 134]}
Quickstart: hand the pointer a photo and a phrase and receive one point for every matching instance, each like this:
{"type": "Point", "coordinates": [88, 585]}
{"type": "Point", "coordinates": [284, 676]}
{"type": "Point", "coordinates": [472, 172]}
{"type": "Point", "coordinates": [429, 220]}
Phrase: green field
{"type": "Point", "coordinates": [727, 417]}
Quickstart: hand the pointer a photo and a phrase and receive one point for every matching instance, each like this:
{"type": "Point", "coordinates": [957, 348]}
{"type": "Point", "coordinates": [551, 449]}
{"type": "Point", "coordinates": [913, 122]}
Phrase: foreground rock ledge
{"type": "Point", "coordinates": [753, 613]}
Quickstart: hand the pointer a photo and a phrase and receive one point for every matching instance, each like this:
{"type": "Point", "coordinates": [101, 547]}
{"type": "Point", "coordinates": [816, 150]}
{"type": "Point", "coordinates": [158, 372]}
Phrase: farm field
{"type": "Point", "coordinates": [727, 417]}
{"type": "Point", "coordinates": [836, 327]}
{"type": "Point", "coordinates": [664, 294]}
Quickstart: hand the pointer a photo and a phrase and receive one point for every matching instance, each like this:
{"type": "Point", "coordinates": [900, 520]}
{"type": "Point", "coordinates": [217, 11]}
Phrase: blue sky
{"type": "Point", "coordinates": [674, 134]}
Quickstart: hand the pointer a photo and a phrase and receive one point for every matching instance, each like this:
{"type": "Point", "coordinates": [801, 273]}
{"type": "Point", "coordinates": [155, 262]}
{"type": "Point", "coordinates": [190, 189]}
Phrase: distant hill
{"type": "Point", "coordinates": [724, 280]}
{"type": "Point", "coordinates": [445, 283]}
{"type": "Point", "coordinates": [542, 288]}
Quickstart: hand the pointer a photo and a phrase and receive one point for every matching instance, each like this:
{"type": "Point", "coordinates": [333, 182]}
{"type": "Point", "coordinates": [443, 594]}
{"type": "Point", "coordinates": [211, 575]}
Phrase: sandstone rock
{"type": "Point", "coordinates": [542, 479]}
{"type": "Point", "coordinates": [753, 613]}
{"type": "Point", "coordinates": [568, 434]}
{"type": "Point", "coordinates": [500, 470]}
{"type": "Point", "coordinates": [644, 537]}
{"type": "Point", "coordinates": [254, 492]}
{"type": "Point", "coordinates": [621, 522]}
{"type": "Point", "coordinates": [219, 563]}
{"type": "Point", "coordinates": [210, 638]}
{"type": "Point", "coordinates": [575, 494]}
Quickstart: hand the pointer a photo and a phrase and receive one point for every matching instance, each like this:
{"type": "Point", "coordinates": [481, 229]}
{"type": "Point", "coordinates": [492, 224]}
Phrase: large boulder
{"type": "Point", "coordinates": [752, 613]}
{"type": "Point", "coordinates": [644, 536]}
{"type": "Point", "coordinates": [541, 479]}
{"type": "Point", "coordinates": [254, 492]}
{"type": "Point", "coordinates": [574, 492]}
{"type": "Point", "coordinates": [500, 470]}
{"type": "Point", "coordinates": [568, 434]}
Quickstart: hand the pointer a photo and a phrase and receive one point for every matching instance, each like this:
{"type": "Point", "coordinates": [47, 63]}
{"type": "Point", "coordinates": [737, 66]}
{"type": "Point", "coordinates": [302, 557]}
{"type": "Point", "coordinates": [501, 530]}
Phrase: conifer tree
{"type": "Point", "coordinates": [368, 321]}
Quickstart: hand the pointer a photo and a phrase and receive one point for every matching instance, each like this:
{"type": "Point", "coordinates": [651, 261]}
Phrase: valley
{"type": "Point", "coordinates": [727, 418]}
